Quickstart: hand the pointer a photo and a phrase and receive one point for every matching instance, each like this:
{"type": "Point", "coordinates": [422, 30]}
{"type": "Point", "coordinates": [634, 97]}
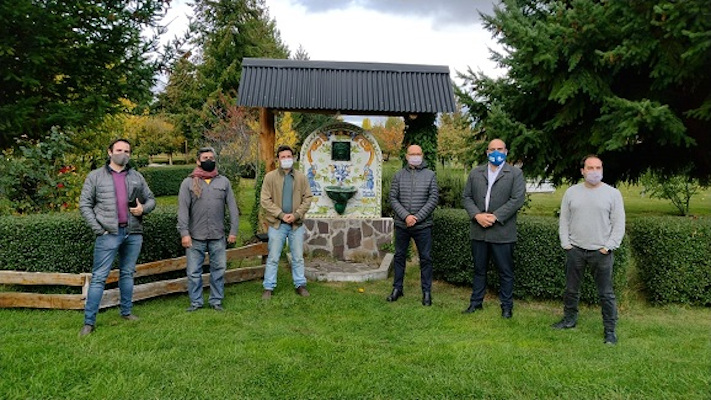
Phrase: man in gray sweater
{"type": "Point", "coordinates": [202, 199]}
{"type": "Point", "coordinates": [592, 225]}
{"type": "Point", "coordinates": [413, 196]}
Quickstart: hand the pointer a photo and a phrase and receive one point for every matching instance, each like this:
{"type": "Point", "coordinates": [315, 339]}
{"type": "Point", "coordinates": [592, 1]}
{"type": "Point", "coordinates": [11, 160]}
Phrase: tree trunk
{"type": "Point", "coordinates": [267, 138]}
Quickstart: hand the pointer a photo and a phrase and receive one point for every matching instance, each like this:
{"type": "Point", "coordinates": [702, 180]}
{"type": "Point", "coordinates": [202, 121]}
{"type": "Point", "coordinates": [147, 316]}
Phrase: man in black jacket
{"type": "Point", "coordinates": [413, 197]}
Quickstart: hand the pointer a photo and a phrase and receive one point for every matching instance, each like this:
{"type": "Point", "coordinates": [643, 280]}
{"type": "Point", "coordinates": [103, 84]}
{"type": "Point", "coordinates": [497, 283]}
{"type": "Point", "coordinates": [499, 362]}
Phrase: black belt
{"type": "Point", "coordinates": [585, 250]}
{"type": "Point", "coordinates": [123, 225]}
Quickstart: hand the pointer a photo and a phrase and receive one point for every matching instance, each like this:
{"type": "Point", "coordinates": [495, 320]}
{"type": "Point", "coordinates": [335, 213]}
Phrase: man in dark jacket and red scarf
{"type": "Point", "coordinates": [413, 196]}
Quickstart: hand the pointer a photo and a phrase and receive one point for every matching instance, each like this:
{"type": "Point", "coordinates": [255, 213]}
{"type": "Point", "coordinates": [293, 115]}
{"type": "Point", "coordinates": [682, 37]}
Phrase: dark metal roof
{"type": "Point", "coordinates": [346, 87]}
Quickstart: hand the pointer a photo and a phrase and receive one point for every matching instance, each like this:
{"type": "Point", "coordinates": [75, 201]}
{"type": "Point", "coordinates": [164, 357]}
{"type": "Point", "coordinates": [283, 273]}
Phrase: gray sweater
{"type": "Point", "coordinates": [414, 191]}
{"type": "Point", "coordinates": [203, 218]}
{"type": "Point", "coordinates": [592, 218]}
{"type": "Point", "coordinates": [97, 202]}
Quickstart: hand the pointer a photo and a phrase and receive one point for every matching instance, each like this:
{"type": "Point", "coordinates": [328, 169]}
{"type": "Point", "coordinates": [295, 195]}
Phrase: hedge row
{"type": "Point", "coordinates": [538, 258]}
{"type": "Point", "coordinates": [165, 181]}
{"type": "Point", "coordinates": [672, 254]}
{"type": "Point", "coordinates": [673, 257]}
{"type": "Point", "coordinates": [62, 242]}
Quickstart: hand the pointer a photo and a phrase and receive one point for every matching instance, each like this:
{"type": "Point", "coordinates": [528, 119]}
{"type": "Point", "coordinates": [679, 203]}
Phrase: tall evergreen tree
{"type": "Point", "coordinates": [222, 33]}
{"type": "Point", "coordinates": [67, 63]}
{"type": "Point", "coordinates": [627, 80]}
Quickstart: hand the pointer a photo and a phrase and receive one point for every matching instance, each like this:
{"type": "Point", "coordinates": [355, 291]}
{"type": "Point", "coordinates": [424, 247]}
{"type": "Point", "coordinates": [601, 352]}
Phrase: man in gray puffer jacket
{"type": "Point", "coordinates": [113, 201]}
{"type": "Point", "coordinates": [413, 196]}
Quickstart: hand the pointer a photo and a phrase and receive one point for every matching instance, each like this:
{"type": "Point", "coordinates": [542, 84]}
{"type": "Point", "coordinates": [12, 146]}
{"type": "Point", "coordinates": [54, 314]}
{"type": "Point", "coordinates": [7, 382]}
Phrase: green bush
{"type": "Point", "coordinates": [61, 242]}
{"type": "Point", "coordinates": [673, 257]}
{"type": "Point", "coordinates": [165, 181]}
{"type": "Point", "coordinates": [538, 258]}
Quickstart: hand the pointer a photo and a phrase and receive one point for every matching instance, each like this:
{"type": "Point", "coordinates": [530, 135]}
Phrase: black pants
{"type": "Point", "coordinates": [423, 241]}
{"type": "Point", "coordinates": [502, 253]}
{"type": "Point", "coordinates": [576, 261]}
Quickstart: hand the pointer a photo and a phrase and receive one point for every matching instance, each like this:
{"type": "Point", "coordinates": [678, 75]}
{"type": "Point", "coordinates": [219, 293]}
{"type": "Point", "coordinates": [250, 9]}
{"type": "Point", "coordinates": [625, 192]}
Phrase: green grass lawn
{"type": "Point", "coordinates": [341, 344]}
{"type": "Point", "coordinates": [636, 204]}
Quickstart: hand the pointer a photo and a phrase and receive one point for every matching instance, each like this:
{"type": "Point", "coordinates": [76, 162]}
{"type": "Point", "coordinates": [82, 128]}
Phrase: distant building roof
{"type": "Point", "coordinates": [346, 87]}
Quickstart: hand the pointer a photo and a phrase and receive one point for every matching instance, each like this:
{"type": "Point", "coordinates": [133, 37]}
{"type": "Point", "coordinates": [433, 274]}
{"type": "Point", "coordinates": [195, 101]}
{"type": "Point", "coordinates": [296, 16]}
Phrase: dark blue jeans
{"type": "Point", "coordinates": [423, 241]}
{"type": "Point", "coordinates": [502, 254]}
{"type": "Point", "coordinates": [576, 261]}
{"type": "Point", "coordinates": [106, 247]}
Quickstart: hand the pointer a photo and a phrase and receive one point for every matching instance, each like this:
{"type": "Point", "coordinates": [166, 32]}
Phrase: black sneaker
{"type": "Point", "coordinates": [565, 323]}
{"type": "Point", "coordinates": [610, 338]}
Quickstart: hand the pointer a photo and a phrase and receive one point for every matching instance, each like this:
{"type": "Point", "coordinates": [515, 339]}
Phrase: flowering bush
{"type": "Point", "coordinates": [40, 176]}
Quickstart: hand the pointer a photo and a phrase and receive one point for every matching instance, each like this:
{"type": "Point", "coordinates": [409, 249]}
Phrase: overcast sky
{"type": "Point", "coordinates": [434, 32]}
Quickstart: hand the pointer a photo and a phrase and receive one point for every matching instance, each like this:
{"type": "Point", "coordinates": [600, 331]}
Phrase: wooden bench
{"type": "Point", "coordinates": [112, 296]}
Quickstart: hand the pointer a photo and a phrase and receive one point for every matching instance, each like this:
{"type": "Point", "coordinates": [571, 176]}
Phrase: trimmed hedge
{"type": "Point", "coordinates": [673, 256]}
{"type": "Point", "coordinates": [62, 242]}
{"type": "Point", "coordinates": [538, 258]}
{"type": "Point", "coordinates": [165, 181]}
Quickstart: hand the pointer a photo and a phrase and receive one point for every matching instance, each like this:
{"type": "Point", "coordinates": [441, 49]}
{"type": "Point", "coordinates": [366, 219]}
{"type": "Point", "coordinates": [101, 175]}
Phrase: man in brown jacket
{"type": "Point", "coordinates": [285, 198]}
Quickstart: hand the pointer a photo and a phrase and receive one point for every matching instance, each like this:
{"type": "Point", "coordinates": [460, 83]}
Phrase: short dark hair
{"type": "Point", "coordinates": [111, 146]}
{"type": "Point", "coordinates": [582, 162]}
{"type": "Point", "coordinates": [284, 147]}
{"type": "Point", "coordinates": [206, 149]}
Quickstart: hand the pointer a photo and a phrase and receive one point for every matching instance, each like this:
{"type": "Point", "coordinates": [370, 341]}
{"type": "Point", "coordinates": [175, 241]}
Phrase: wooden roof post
{"type": "Point", "coordinates": [267, 138]}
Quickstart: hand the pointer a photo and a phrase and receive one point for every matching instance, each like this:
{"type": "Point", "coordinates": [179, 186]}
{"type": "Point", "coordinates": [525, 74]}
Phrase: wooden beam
{"type": "Point", "coordinates": [40, 278]}
{"type": "Point", "coordinates": [267, 138]}
{"type": "Point", "coordinates": [39, 300]}
{"type": "Point", "coordinates": [154, 289]}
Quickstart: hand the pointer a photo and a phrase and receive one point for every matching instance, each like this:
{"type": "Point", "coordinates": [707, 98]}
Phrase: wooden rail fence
{"type": "Point", "coordinates": [111, 296]}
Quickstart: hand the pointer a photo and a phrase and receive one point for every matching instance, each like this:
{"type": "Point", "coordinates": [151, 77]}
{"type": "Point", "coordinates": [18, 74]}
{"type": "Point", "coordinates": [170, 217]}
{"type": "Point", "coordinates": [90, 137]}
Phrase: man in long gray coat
{"type": "Point", "coordinates": [492, 197]}
{"type": "Point", "coordinates": [413, 196]}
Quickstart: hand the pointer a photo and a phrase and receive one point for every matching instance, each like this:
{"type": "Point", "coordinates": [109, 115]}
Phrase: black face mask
{"type": "Point", "coordinates": [207, 165]}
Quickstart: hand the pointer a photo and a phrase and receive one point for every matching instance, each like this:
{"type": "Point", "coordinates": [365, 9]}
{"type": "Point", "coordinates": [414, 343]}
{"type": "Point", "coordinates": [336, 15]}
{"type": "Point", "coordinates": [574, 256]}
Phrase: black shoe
{"type": "Point", "coordinates": [472, 308]}
{"type": "Point", "coordinates": [193, 308]}
{"type": "Point", "coordinates": [565, 323]}
{"type": "Point", "coordinates": [610, 338]}
{"type": "Point", "coordinates": [396, 294]}
{"type": "Point", "coordinates": [217, 307]}
{"type": "Point", "coordinates": [86, 330]}
{"type": "Point", "coordinates": [506, 313]}
{"type": "Point", "coordinates": [426, 299]}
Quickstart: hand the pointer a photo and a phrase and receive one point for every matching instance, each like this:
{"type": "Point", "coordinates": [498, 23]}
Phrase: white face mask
{"type": "Point", "coordinates": [286, 163]}
{"type": "Point", "coordinates": [593, 177]}
{"type": "Point", "coordinates": [414, 160]}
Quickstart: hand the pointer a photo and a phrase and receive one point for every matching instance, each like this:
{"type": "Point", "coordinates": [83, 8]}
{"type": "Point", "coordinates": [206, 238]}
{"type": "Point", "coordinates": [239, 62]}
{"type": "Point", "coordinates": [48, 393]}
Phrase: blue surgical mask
{"type": "Point", "coordinates": [497, 158]}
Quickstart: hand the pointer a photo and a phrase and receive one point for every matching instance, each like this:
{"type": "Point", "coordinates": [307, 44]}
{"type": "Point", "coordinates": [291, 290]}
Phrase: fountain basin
{"type": "Point", "coordinates": [340, 196]}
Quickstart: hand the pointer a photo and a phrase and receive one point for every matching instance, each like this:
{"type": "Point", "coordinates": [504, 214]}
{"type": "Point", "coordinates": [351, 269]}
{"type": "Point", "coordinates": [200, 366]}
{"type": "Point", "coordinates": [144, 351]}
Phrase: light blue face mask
{"type": "Point", "coordinates": [497, 158]}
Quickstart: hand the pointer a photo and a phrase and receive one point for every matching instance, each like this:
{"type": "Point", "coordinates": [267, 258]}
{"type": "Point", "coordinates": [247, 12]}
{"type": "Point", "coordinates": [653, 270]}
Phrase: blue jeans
{"type": "Point", "coordinates": [576, 261]}
{"type": "Point", "coordinates": [502, 253]}
{"type": "Point", "coordinates": [218, 264]}
{"type": "Point", "coordinates": [105, 249]}
{"type": "Point", "coordinates": [277, 237]}
{"type": "Point", "coordinates": [423, 241]}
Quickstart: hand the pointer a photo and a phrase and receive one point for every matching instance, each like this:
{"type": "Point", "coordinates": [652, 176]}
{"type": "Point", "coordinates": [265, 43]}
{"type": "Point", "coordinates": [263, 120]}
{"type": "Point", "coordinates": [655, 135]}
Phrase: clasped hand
{"type": "Point", "coordinates": [485, 219]}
